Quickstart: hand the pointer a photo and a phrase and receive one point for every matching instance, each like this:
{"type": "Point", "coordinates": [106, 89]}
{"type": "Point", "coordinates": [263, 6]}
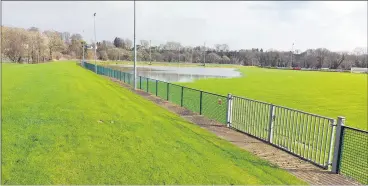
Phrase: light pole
{"type": "Point", "coordinates": [94, 24]}
{"type": "Point", "coordinates": [135, 55]}
{"type": "Point", "coordinates": [191, 59]}
{"type": "Point", "coordinates": [292, 51]}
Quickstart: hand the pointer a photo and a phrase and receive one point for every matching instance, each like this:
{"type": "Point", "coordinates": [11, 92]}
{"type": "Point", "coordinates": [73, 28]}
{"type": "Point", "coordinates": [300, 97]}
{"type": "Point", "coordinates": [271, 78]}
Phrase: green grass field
{"type": "Point", "coordinates": [324, 93]}
{"type": "Point", "coordinates": [51, 134]}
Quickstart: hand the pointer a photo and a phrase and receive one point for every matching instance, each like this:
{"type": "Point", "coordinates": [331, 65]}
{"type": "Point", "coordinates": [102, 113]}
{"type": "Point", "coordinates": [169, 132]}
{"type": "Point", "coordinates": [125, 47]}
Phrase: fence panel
{"type": "Point", "coordinates": [152, 86]}
{"type": "Point", "coordinates": [354, 154]}
{"type": "Point", "coordinates": [143, 84]}
{"type": "Point", "coordinates": [130, 79]}
{"type": "Point", "coordinates": [306, 135]}
{"type": "Point", "coordinates": [162, 89]}
{"type": "Point", "coordinates": [251, 117]}
{"type": "Point", "coordinates": [175, 94]}
{"type": "Point", "coordinates": [191, 99]}
{"type": "Point", "coordinates": [214, 106]}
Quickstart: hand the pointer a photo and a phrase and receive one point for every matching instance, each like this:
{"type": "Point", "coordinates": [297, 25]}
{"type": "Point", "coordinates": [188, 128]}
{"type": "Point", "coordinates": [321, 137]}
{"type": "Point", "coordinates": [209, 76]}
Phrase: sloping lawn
{"type": "Point", "coordinates": [63, 124]}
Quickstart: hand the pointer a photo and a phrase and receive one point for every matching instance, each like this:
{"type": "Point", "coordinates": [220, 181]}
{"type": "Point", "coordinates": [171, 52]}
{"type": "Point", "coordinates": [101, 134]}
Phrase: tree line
{"type": "Point", "coordinates": [33, 46]}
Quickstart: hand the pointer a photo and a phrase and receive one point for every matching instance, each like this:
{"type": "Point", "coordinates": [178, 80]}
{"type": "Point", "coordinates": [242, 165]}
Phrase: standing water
{"type": "Point", "coordinates": [181, 74]}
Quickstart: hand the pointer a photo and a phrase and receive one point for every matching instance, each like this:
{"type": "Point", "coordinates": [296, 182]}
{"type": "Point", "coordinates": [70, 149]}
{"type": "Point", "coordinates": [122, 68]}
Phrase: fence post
{"type": "Point", "coordinates": [147, 84]}
{"type": "Point", "coordinates": [182, 92]}
{"type": "Point", "coordinates": [338, 144]}
{"type": "Point", "coordinates": [156, 87]}
{"type": "Point", "coordinates": [167, 92]}
{"type": "Point", "coordinates": [140, 82]}
{"type": "Point", "coordinates": [200, 103]}
{"type": "Point", "coordinates": [124, 76]}
{"type": "Point", "coordinates": [270, 124]}
{"type": "Point", "coordinates": [229, 108]}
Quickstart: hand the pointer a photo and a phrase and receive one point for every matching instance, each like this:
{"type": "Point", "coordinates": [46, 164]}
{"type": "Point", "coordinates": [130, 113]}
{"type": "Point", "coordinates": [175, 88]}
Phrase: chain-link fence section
{"type": "Point", "coordinates": [175, 93]}
{"type": "Point", "coordinates": [162, 89]}
{"type": "Point", "coordinates": [191, 99]}
{"type": "Point", "coordinates": [214, 106]}
{"type": "Point", "coordinates": [143, 83]}
{"type": "Point", "coordinates": [152, 86]}
{"type": "Point", "coordinates": [354, 154]}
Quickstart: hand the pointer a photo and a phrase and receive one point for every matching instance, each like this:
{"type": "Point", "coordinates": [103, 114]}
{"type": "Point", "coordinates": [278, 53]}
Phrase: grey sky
{"type": "Point", "coordinates": [338, 26]}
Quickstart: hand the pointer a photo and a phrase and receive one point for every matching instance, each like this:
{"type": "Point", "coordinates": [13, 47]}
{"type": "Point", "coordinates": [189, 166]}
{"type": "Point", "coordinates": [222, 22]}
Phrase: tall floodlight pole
{"type": "Point", "coordinates": [191, 59]}
{"type": "Point", "coordinates": [94, 24]}
{"type": "Point", "coordinates": [135, 55]}
{"type": "Point", "coordinates": [292, 51]}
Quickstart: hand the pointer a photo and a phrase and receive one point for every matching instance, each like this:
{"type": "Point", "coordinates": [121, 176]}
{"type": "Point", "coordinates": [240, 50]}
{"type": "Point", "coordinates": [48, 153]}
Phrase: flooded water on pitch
{"type": "Point", "coordinates": [181, 74]}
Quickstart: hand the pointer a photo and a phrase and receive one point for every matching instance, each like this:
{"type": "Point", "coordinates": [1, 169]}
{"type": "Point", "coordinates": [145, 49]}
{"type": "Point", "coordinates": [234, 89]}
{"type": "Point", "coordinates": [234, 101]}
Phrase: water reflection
{"type": "Point", "coordinates": [180, 74]}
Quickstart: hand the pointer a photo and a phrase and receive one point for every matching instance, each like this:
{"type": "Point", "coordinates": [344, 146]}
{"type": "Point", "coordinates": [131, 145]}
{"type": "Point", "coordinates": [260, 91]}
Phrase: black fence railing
{"type": "Point", "coordinates": [318, 139]}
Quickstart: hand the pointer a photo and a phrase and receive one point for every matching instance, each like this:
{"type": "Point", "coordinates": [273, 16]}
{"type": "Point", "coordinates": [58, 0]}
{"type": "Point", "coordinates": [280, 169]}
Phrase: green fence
{"type": "Point", "coordinates": [354, 154]}
{"type": "Point", "coordinates": [211, 105]}
{"type": "Point", "coordinates": [302, 134]}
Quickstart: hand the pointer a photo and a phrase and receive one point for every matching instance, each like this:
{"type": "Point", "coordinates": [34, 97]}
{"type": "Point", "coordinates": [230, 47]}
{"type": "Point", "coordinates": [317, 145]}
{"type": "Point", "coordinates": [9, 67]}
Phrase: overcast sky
{"type": "Point", "coordinates": [338, 26]}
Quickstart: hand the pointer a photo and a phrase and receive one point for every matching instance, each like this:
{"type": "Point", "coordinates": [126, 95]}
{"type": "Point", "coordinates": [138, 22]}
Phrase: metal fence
{"type": "Point", "coordinates": [208, 104]}
{"type": "Point", "coordinates": [353, 154]}
{"type": "Point", "coordinates": [323, 141]}
{"type": "Point", "coordinates": [303, 134]}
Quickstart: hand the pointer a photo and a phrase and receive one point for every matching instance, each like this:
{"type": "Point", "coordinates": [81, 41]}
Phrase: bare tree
{"type": "Point", "coordinates": [55, 43]}
{"type": "Point", "coordinates": [321, 55]}
{"type": "Point", "coordinates": [213, 58]}
{"type": "Point", "coordinates": [144, 44]}
{"type": "Point", "coordinates": [128, 44]}
{"type": "Point", "coordinates": [15, 43]}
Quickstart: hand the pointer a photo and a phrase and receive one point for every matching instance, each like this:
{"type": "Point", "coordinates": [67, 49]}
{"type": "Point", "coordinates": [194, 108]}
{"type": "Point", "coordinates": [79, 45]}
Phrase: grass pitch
{"type": "Point", "coordinates": [62, 124]}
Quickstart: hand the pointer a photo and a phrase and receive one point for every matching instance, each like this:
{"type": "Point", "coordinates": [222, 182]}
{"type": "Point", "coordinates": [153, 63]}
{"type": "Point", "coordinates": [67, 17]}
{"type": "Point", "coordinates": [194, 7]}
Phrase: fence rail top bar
{"type": "Point", "coordinates": [325, 117]}
{"type": "Point", "coordinates": [253, 100]}
{"type": "Point", "coordinates": [214, 94]}
{"type": "Point", "coordinates": [161, 81]}
{"type": "Point", "coordinates": [308, 113]}
{"type": "Point", "coordinates": [356, 129]}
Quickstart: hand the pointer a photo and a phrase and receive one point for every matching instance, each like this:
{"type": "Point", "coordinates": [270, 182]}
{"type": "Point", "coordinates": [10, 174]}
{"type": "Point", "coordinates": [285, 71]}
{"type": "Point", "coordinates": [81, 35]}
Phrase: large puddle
{"type": "Point", "coordinates": [181, 74]}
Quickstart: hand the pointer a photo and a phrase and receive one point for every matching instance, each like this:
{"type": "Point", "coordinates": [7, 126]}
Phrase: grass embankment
{"type": "Point", "coordinates": [51, 135]}
{"type": "Point", "coordinates": [326, 93]}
